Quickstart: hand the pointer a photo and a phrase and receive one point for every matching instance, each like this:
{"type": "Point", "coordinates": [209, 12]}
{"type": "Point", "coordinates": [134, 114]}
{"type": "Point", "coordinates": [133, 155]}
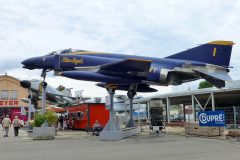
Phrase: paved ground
{"type": "Point", "coordinates": [76, 145]}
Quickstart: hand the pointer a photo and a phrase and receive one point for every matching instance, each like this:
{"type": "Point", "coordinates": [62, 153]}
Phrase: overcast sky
{"type": "Point", "coordinates": [142, 27]}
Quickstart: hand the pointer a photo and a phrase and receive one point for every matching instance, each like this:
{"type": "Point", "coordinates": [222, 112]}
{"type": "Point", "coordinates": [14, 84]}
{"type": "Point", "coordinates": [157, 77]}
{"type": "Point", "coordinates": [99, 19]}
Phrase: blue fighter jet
{"type": "Point", "coordinates": [209, 61]}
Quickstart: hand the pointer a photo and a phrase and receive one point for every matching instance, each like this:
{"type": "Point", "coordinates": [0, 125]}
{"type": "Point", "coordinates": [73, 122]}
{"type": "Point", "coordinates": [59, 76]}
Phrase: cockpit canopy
{"type": "Point", "coordinates": [65, 51]}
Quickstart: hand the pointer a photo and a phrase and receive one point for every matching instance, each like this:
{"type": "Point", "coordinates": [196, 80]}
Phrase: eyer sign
{"type": "Point", "coordinates": [211, 118]}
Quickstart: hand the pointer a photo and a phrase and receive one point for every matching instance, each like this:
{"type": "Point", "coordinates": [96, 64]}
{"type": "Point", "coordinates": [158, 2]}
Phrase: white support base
{"type": "Point", "coordinates": [43, 133]}
{"type": "Point", "coordinates": [118, 135]}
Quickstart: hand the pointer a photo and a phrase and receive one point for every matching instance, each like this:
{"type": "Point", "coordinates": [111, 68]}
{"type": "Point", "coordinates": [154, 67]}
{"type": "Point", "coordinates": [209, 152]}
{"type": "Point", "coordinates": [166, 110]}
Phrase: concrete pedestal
{"type": "Point", "coordinates": [43, 133]}
{"type": "Point", "coordinates": [118, 135]}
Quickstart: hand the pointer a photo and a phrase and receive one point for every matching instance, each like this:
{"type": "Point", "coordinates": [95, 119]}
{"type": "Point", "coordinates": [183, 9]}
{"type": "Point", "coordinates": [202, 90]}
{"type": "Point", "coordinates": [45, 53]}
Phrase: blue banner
{"type": "Point", "coordinates": [211, 118]}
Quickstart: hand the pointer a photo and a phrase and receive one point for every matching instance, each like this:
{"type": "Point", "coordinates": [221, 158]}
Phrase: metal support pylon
{"type": "Point", "coordinates": [112, 125]}
{"type": "Point", "coordinates": [44, 86]}
{"type": "Point", "coordinates": [131, 93]}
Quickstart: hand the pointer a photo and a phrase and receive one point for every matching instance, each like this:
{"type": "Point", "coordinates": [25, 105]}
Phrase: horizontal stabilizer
{"type": "Point", "coordinates": [222, 75]}
{"type": "Point", "coordinates": [216, 82]}
{"type": "Point", "coordinates": [216, 78]}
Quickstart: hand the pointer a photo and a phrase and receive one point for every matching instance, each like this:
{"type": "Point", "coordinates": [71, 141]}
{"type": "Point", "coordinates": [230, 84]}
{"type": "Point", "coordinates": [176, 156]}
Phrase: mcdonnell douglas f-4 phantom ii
{"type": "Point", "coordinates": [209, 61]}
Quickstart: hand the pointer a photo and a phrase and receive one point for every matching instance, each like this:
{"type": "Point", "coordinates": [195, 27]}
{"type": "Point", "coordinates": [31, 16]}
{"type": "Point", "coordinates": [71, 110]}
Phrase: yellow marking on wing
{"type": "Point", "coordinates": [214, 52]}
{"type": "Point", "coordinates": [228, 43]}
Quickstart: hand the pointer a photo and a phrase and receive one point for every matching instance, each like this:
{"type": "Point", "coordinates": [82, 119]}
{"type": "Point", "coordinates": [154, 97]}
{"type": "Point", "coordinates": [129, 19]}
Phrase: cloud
{"type": "Point", "coordinates": [141, 27]}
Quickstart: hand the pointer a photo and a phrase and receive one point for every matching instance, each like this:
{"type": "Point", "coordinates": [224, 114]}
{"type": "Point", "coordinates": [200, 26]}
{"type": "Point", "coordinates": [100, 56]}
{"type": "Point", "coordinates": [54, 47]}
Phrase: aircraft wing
{"type": "Point", "coordinates": [73, 98]}
{"type": "Point", "coordinates": [120, 73]}
{"type": "Point", "coordinates": [127, 65]}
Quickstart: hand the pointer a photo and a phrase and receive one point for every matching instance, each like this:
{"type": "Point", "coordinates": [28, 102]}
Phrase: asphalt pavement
{"type": "Point", "coordinates": [74, 145]}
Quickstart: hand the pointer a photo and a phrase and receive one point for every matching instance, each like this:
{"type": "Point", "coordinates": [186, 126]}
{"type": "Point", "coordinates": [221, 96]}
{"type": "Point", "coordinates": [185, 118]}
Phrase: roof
{"type": "Point", "coordinates": [7, 76]}
{"type": "Point", "coordinates": [224, 96]}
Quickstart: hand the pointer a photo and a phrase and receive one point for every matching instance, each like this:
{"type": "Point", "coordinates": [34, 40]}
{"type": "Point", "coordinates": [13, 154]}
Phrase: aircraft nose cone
{"type": "Point", "coordinates": [33, 63]}
{"type": "Point", "coordinates": [25, 84]}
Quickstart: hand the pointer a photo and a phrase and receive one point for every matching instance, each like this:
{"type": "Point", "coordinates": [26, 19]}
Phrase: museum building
{"type": "Point", "coordinates": [10, 97]}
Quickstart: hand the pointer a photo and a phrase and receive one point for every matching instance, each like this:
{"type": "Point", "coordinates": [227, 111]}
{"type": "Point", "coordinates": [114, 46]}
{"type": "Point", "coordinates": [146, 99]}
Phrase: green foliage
{"type": "Point", "coordinates": [51, 117]}
{"type": "Point", "coordinates": [204, 84]}
{"type": "Point", "coordinates": [39, 120]}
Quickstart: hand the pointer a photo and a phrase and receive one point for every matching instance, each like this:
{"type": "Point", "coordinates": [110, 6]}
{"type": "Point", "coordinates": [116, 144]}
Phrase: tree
{"type": "Point", "coordinates": [204, 84]}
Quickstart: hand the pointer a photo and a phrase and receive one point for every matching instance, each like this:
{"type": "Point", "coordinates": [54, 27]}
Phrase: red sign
{"type": "Point", "coordinates": [8, 102]}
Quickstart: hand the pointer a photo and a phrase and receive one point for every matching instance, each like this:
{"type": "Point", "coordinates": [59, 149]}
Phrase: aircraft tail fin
{"type": "Point", "coordinates": [215, 52]}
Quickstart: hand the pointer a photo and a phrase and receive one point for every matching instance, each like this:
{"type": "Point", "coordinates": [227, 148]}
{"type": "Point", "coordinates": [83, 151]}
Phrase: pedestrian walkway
{"type": "Point", "coordinates": [11, 136]}
{"type": "Point", "coordinates": [72, 145]}
{"type": "Point", "coordinates": [25, 135]}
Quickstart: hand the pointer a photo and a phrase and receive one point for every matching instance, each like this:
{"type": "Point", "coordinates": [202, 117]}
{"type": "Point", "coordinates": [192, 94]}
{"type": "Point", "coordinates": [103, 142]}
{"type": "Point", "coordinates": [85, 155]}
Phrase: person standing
{"type": "Point", "coordinates": [16, 124]}
{"type": "Point", "coordinates": [61, 122]}
{"type": "Point", "coordinates": [6, 123]}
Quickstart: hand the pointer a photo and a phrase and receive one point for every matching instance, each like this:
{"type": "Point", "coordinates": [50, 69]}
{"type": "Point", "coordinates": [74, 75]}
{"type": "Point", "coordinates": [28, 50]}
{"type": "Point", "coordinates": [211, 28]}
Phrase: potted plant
{"type": "Point", "coordinates": [51, 118]}
{"type": "Point", "coordinates": [47, 131]}
{"type": "Point", "coordinates": [39, 119]}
